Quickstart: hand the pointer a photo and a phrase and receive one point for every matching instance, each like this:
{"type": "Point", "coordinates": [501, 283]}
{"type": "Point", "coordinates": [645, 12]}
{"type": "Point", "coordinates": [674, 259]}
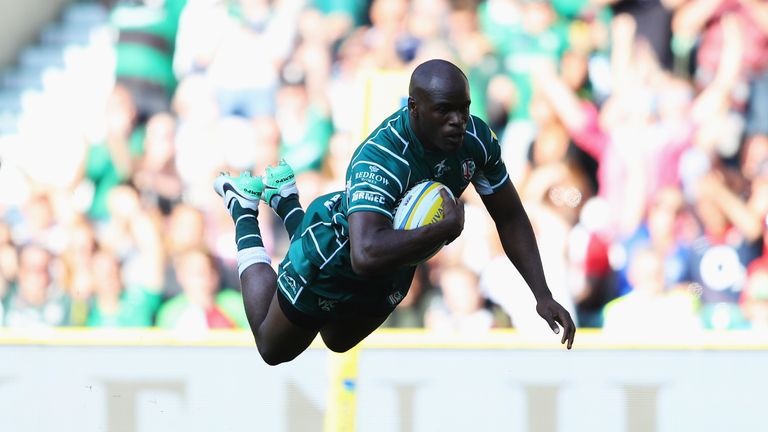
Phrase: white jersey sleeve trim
{"type": "Point", "coordinates": [506, 176]}
{"type": "Point", "coordinates": [365, 207]}
{"type": "Point", "coordinates": [484, 187]}
{"type": "Point", "coordinates": [473, 134]}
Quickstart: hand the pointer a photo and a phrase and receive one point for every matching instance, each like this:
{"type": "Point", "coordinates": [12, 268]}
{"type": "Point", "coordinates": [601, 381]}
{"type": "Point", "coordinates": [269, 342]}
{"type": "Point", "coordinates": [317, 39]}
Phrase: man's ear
{"type": "Point", "coordinates": [412, 106]}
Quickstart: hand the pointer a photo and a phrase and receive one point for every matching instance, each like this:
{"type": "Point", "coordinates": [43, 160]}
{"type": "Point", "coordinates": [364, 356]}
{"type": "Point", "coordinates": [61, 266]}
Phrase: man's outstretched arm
{"type": "Point", "coordinates": [519, 242]}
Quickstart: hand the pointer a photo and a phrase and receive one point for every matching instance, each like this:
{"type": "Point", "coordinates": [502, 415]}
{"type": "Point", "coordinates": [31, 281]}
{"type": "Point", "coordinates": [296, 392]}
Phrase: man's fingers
{"type": "Point", "coordinates": [562, 318]}
{"type": "Point", "coordinates": [553, 324]}
{"type": "Point", "coordinates": [570, 328]}
{"type": "Point", "coordinates": [558, 317]}
{"type": "Point", "coordinates": [563, 322]}
{"type": "Point", "coordinates": [446, 196]}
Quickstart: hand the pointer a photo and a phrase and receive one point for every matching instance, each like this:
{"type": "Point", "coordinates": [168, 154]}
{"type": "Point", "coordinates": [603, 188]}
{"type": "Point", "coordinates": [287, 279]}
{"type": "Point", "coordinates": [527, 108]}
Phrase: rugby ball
{"type": "Point", "coordinates": [421, 205]}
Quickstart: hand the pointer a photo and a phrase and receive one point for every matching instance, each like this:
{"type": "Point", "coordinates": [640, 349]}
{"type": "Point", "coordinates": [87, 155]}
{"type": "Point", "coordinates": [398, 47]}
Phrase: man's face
{"type": "Point", "coordinates": [440, 115]}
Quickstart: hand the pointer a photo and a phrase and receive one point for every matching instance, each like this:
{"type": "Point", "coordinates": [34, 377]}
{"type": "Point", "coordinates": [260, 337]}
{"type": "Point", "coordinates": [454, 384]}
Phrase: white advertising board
{"type": "Point", "coordinates": [405, 382]}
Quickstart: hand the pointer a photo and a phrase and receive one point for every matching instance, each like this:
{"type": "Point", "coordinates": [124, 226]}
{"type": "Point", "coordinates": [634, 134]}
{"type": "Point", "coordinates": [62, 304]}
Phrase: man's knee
{"type": "Point", "coordinates": [273, 356]}
{"type": "Point", "coordinates": [279, 341]}
{"type": "Point", "coordinates": [339, 345]}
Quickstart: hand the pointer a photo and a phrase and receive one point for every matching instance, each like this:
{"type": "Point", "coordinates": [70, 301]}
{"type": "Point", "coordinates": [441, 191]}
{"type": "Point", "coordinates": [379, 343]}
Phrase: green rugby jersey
{"type": "Point", "coordinates": [386, 165]}
{"type": "Point", "coordinates": [392, 160]}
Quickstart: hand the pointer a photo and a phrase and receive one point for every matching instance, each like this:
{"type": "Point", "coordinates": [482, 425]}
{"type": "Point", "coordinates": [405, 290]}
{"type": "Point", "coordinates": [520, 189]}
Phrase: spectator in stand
{"type": "Point", "coordinates": [39, 224]}
{"type": "Point", "coordinates": [115, 304]}
{"type": "Point", "coordinates": [591, 279]}
{"type": "Point", "coordinates": [475, 52]}
{"type": "Point", "coordinates": [303, 110]}
{"type": "Point", "coordinates": [9, 265]}
{"type": "Point", "coordinates": [704, 20]}
{"type": "Point", "coordinates": [77, 265]}
{"type": "Point", "coordinates": [660, 230]}
{"type": "Point", "coordinates": [306, 128]}
{"type": "Point", "coordinates": [184, 230]}
{"type": "Point", "coordinates": [674, 309]}
{"type": "Point", "coordinates": [732, 206]}
{"type": "Point", "coordinates": [641, 132]}
{"type": "Point", "coordinates": [460, 307]}
{"type": "Point", "coordinates": [197, 132]}
{"type": "Point", "coordinates": [133, 236]}
{"type": "Point", "coordinates": [581, 119]}
{"type": "Point", "coordinates": [201, 305]}
{"type": "Point", "coordinates": [387, 32]}
{"type": "Point", "coordinates": [722, 251]}
{"type": "Point", "coordinates": [341, 17]}
{"type": "Point", "coordinates": [34, 299]}
{"type": "Point", "coordinates": [155, 175]}
{"type": "Point", "coordinates": [110, 161]}
{"type": "Point", "coordinates": [244, 85]}
{"type": "Point", "coordinates": [189, 228]}
{"type": "Point", "coordinates": [195, 49]}
{"type": "Point", "coordinates": [524, 34]}
{"type": "Point", "coordinates": [754, 299]}
{"type": "Point", "coordinates": [654, 23]}
{"type": "Point", "coordinates": [761, 262]}
{"type": "Point", "coordinates": [146, 35]}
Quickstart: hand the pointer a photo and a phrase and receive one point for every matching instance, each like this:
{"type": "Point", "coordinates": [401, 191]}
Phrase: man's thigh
{"type": "Point", "coordinates": [345, 332]}
{"type": "Point", "coordinates": [279, 339]}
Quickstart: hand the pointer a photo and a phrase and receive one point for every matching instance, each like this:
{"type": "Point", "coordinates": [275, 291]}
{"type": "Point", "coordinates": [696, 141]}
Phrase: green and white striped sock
{"type": "Point", "coordinates": [250, 246]}
{"type": "Point", "coordinates": [290, 211]}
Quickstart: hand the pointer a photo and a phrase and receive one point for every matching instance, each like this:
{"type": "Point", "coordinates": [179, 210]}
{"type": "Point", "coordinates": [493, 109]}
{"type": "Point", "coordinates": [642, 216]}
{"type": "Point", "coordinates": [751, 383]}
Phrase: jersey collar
{"type": "Point", "coordinates": [415, 143]}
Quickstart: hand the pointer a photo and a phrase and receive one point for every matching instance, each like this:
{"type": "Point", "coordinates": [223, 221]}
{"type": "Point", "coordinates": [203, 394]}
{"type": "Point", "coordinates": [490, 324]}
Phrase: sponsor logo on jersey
{"type": "Point", "coordinates": [368, 196]}
{"type": "Point", "coordinates": [373, 168]}
{"type": "Point", "coordinates": [289, 286]}
{"type": "Point", "coordinates": [468, 169]}
{"type": "Point", "coordinates": [395, 298]}
{"type": "Point", "coordinates": [331, 202]}
{"type": "Point", "coordinates": [441, 168]}
{"type": "Point", "coordinates": [326, 304]}
{"type": "Point", "coordinates": [291, 282]}
{"type": "Point", "coordinates": [371, 177]}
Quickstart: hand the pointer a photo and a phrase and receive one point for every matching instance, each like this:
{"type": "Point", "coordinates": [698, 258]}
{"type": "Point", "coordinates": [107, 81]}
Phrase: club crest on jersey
{"type": "Point", "coordinates": [468, 169]}
{"type": "Point", "coordinates": [441, 168]}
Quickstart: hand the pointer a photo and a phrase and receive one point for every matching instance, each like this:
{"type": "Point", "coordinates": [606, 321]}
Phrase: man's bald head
{"type": "Point", "coordinates": [434, 75]}
{"type": "Point", "coordinates": [438, 105]}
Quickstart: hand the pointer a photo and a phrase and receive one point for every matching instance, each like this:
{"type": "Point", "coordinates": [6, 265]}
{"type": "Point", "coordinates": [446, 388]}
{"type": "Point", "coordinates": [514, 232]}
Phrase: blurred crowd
{"type": "Point", "coordinates": [636, 132]}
